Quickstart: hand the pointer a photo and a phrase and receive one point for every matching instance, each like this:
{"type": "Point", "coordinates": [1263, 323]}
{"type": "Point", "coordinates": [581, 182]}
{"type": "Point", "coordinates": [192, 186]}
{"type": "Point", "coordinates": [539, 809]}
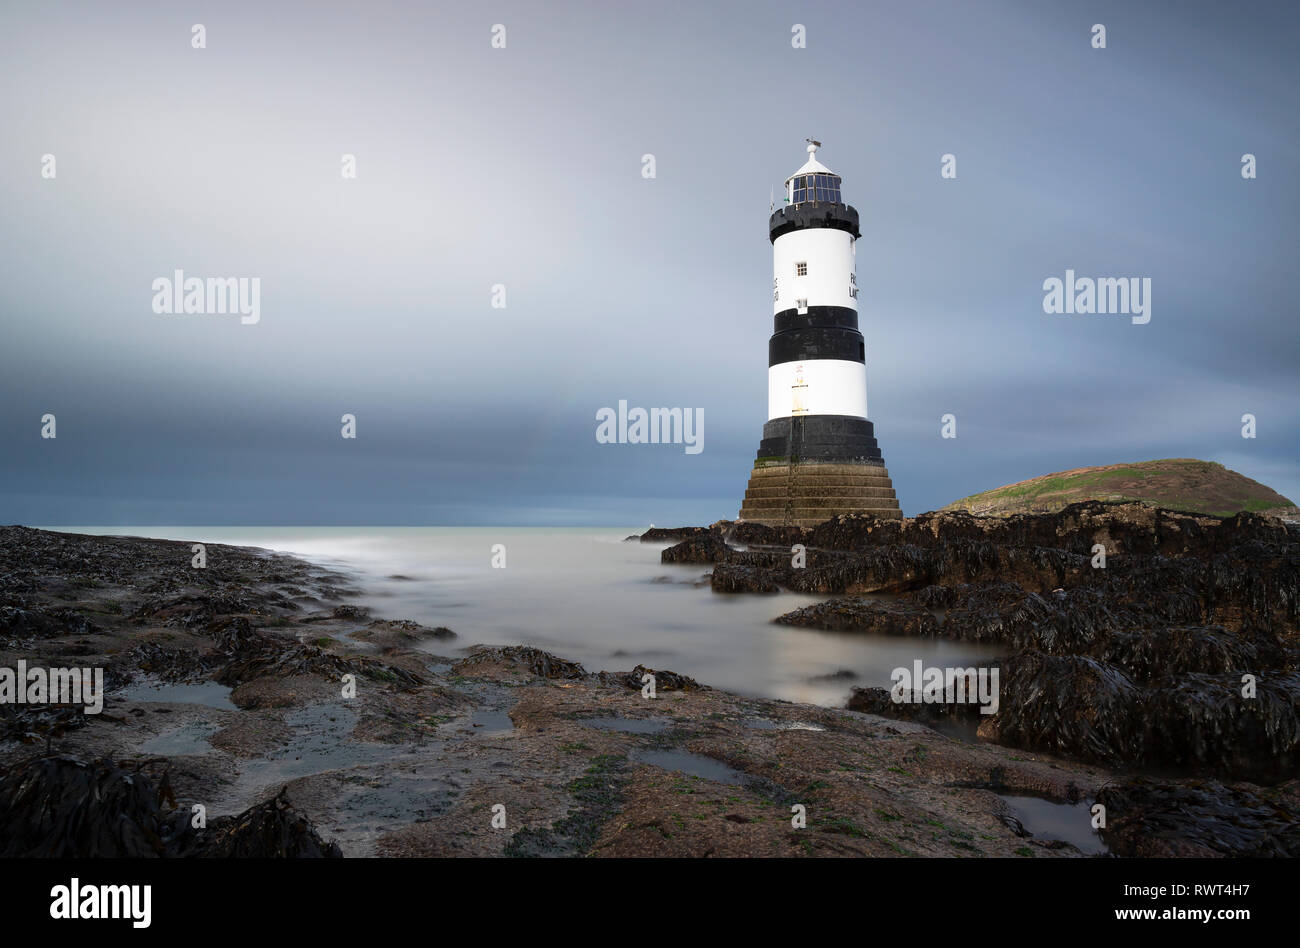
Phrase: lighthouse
{"type": "Point", "coordinates": [818, 456]}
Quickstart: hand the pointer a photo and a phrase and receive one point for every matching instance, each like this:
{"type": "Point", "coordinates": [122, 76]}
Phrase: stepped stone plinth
{"type": "Point", "coordinates": [806, 493]}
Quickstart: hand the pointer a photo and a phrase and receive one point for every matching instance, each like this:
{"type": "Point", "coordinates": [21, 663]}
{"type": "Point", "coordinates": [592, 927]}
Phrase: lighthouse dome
{"type": "Point", "coordinates": [813, 182]}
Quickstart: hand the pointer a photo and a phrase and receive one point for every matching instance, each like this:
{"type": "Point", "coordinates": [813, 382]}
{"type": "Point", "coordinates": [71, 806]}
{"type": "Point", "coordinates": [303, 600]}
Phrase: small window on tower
{"type": "Point", "coordinates": [801, 269]}
{"type": "Point", "coordinates": [802, 305]}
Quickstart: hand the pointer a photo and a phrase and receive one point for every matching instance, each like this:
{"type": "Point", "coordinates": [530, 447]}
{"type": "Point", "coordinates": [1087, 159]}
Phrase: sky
{"type": "Point", "coordinates": [522, 167]}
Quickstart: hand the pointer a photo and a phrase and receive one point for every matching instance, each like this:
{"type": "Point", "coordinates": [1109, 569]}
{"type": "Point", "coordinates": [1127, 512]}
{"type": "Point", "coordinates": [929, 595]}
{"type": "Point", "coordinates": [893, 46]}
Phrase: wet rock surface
{"type": "Point", "coordinates": [1180, 655]}
{"type": "Point", "coordinates": [636, 679]}
{"type": "Point", "coordinates": [700, 548]}
{"type": "Point", "coordinates": [400, 632]}
{"type": "Point", "coordinates": [672, 534]}
{"type": "Point", "coordinates": [1201, 818]}
{"type": "Point", "coordinates": [413, 763]}
{"type": "Point", "coordinates": [268, 830]}
{"type": "Point", "coordinates": [226, 690]}
{"type": "Point", "coordinates": [913, 707]}
{"type": "Point", "coordinates": [865, 615]}
{"type": "Point", "coordinates": [62, 807]}
{"type": "Point", "coordinates": [253, 654]}
{"type": "Point", "coordinates": [734, 579]}
{"type": "Point", "coordinates": [542, 664]}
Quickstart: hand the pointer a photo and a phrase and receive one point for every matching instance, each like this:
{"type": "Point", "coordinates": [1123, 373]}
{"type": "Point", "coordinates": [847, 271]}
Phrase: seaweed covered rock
{"type": "Point", "coordinates": [672, 534]}
{"type": "Point", "coordinates": [635, 679]}
{"type": "Point", "coordinates": [397, 631]}
{"type": "Point", "coordinates": [170, 664]}
{"type": "Point", "coordinates": [192, 609]}
{"type": "Point", "coordinates": [355, 613]}
{"type": "Point", "coordinates": [777, 560]}
{"type": "Point", "coordinates": [40, 723]}
{"type": "Point", "coordinates": [1071, 621]}
{"type": "Point", "coordinates": [1133, 659]}
{"type": "Point", "coordinates": [1121, 527]}
{"type": "Point", "coordinates": [970, 596]}
{"type": "Point", "coordinates": [699, 548]}
{"type": "Point", "coordinates": [1150, 818]}
{"type": "Point", "coordinates": [270, 830]}
{"type": "Point", "coordinates": [1177, 650]}
{"type": "Point", "coordinates": [1134, 635]}
{"type": "Point", "coordinates": [542, 664]}
{"type": "Point", "coordinates": [856, 614]}
{"type": "Point", "coordinates": [938, 714]}
{"type": "Point", "coordinates": [907, 567]}
{"type": "Point", "coordinates": [1080, 707]}
{"type": "Point", "coordinates": [60, 807]}
{"type": "Point", "coordinates": [1061, 622]}
{"type": "Point", "coordinates": [252, 653]}
{"type": "Point", "coordinates": [1205, 724]}
{"type": "Point", "coordinates": [749, 533]}
{"type": "Point", "coordinates": [893, 569]}
{"type": "Point", "coordinates": [1069, 705]}
{"type": "Point", "coordinates": [19, 623]}
{"type": "Point", "coordinates": [736, 579]}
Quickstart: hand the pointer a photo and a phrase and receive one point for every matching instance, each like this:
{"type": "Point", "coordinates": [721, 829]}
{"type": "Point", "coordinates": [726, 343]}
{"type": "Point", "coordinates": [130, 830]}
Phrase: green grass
{"type": "Point", "coordinates": [1159, 483]}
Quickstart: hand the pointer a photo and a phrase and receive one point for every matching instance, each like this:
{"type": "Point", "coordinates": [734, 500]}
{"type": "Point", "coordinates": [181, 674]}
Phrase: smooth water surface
{"type": "Point", "coordinates": [586, 595]}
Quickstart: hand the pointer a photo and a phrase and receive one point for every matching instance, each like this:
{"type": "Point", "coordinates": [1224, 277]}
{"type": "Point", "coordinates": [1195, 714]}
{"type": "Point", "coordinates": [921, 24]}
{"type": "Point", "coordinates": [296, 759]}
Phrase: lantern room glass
{"type": "Point", "coordinates": [822, 188]}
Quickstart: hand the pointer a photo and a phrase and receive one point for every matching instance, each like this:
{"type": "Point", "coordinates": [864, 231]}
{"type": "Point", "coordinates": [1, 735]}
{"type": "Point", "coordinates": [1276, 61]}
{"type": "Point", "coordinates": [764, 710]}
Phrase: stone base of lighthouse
{"type": "Point", "coordinates": [812, 468]}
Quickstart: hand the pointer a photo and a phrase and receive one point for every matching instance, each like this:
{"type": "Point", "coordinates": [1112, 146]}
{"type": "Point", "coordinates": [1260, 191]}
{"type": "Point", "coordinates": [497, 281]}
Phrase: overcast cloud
{"type": "Point", "coordinates": [522, 166]}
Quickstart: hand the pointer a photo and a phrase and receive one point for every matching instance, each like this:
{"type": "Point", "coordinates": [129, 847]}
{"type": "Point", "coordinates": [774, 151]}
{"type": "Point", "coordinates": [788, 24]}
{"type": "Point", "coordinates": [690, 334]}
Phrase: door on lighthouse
{"type": "Point", "coordinates": [799, 393]}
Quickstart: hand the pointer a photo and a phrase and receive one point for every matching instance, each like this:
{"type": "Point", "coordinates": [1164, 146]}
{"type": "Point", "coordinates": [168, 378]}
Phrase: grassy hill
{"type": "Point", "coordinates": [1174, 483]}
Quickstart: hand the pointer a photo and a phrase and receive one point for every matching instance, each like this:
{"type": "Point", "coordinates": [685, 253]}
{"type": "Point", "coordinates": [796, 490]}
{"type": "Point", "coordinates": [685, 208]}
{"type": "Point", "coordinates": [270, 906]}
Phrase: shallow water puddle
{"type": "Point", "coordinates": [183, 741]}
{"type": "Point", "coordinates": [374, 800]}
{"type": "Point", "coordinates": [1070, 822]}
{"type": "Point", "coordinates": [486, 721]}
{"type": "Point", "coordinates": [207, 693]}
{"type": "Point", "coordinates": [697, 765]}
{"type": "Point", "coordinates": [321, 741]}
{"type": "Point", "coordinates": [627, 725]}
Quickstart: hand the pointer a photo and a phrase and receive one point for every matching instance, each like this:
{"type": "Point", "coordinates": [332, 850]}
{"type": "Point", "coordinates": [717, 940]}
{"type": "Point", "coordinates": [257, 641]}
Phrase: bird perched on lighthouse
{"type": "Point", "coordinates": [818, 456]}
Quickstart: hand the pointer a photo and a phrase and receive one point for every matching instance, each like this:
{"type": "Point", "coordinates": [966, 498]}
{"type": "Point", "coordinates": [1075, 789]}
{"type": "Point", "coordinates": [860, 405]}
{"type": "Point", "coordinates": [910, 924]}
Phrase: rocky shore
{"type": "Point", "coordinates": [1171, 658]}
{"type": "Point", "coordinates": [252, 709]}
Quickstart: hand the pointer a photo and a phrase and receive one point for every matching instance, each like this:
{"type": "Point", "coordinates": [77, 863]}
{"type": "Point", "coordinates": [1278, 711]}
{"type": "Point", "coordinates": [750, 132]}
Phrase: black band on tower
{"type": "Point", "coordinates": [802, 216]}
{"type": "Point", "coordinates": [816, 342]}
{"type": "Point", "coordinates": [821, 438]}
{"type": "Point", "coordinates": [841, 317]}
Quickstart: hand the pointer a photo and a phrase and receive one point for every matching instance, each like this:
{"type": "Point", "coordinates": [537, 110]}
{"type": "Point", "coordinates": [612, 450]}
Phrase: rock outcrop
{"type": "Point", "coordinates": [61, 807]}
{"type": "Point", "coordinates": [1177, 651]}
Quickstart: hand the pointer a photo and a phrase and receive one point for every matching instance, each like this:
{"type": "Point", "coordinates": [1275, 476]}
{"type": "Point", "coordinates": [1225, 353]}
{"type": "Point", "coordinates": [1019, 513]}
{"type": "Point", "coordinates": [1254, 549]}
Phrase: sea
{"type": "Point", "coordinates": [587, 594]}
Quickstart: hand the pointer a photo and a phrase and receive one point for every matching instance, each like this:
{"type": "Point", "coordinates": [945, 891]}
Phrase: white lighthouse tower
{"type": "Point", "coordinates": [818, 457]}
